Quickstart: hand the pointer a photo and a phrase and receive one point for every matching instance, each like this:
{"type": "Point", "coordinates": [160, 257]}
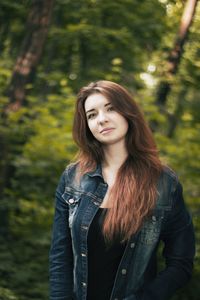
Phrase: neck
{"type": "Point", "coordinates": [114, 156]}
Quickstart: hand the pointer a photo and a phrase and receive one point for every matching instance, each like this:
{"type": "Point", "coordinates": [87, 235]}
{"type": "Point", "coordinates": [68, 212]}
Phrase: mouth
{"type": "Point", "coordinates": [105, 130]}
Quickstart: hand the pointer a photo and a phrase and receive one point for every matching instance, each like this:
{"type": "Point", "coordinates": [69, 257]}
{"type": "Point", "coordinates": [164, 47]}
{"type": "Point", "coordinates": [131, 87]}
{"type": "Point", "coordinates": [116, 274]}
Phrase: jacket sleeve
{"type": "Point", "coordinates": [179, 250]}
{"type": "Point", "coordinates": [61, 256]}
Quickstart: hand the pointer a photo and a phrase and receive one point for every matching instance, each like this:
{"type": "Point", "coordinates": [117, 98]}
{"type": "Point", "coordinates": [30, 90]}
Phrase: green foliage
{"type": "Point", "coordinates": [97, 32]}
{"type": "Point", "coordinates": [7, 294]}
{"type": "Point", "coordinates": [125, 41]}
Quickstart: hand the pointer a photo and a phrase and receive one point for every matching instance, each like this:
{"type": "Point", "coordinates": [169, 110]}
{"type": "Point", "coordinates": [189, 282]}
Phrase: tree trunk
{"type": "Point", "coordinates": [175, 118]}
{"type": "Point", "coordinates": [31, 50]}
{"type": "Point", "coordinates": [177, 51]}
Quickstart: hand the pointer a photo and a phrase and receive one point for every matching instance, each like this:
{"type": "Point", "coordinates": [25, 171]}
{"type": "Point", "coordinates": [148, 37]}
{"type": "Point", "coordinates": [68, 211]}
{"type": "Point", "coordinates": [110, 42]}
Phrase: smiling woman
{"type": "Point", "coordinates": [113, 207]}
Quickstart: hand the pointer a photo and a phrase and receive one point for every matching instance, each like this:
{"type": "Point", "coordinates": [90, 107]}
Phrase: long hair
{"type": "Point", "coordinates": [134, 193]}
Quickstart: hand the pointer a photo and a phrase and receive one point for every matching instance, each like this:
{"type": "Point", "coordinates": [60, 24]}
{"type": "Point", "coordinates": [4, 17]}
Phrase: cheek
{"type": "Point", "coordinates": [124, 124]}
{"type": "Point", "coordinates": [91, 127]}
{"type": "Point", "coordinates": [127, 126]}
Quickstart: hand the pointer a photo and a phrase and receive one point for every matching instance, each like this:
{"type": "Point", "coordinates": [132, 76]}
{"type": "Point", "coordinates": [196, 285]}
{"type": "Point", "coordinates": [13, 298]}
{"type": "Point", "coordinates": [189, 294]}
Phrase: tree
{"type": "Point", "coordinates": [31, 50]}
{"type": "Point", "coordinates": [176, 53]}
{"type": "Point", "coordinates": [117, 40]}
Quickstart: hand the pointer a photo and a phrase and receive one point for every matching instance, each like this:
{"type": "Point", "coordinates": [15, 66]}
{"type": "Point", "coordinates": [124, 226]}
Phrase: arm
{"type": "Point", "coordinates": [179, 249]}
{"type": "Point", "coordinates": [61, 256]}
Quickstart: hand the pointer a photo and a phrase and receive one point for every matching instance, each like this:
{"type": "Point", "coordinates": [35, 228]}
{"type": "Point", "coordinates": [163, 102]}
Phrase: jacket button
{"type": "Point", "coordinates": [132, 245]}
{"type": "Point", "coordinates": [84, 284]}
{"type": "Point", "coordinates": [124, 271]}
{"type": "Point", "coordinates": [154, 218]}
{"type": "Point", "coordinates": [71, 201]}
{"type": "Point", "coordinates": [83, 254]}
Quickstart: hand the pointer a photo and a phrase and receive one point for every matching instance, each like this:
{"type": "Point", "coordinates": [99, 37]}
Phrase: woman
{"type": "Point", "coordinates": [114, 206]}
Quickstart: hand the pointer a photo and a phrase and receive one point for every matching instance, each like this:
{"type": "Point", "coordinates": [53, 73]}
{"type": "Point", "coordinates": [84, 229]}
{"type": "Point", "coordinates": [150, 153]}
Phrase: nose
{"type": "Point", "coordinates": [102, 118]}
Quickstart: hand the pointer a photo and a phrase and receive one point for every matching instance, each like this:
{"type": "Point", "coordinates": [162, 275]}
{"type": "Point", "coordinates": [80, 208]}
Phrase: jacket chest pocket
{"type": "Point", "coordinates": [150, 230]}
{"type": "Point", "coordinates": [72, 199]}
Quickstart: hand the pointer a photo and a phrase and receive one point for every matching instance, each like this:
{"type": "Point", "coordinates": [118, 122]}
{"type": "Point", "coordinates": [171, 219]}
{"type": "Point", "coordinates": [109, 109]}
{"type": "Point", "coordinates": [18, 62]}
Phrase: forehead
{"type": "Point", "coordinates": [95, 101]}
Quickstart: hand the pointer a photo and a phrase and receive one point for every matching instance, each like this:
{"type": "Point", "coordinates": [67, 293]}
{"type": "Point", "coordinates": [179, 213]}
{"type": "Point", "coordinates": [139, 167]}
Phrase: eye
{"type": "Point", "coordinates": [90, 116]}
{"type": "Point", "coordinates": [110, 108]}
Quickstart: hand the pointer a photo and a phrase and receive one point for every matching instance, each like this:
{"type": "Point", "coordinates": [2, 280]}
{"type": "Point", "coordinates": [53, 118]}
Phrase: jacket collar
{"type": "Point", "coordinates": [97, 172]}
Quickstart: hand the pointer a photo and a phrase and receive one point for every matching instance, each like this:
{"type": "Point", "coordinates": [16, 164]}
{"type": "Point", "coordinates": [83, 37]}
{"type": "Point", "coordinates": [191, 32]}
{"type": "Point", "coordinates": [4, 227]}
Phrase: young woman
{"type": "Point", "coordinates": [113, 207]}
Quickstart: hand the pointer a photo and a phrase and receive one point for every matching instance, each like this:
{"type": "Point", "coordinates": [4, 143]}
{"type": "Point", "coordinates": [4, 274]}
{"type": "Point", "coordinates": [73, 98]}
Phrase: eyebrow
{"type": "Point", "coordinates": [94, 108]}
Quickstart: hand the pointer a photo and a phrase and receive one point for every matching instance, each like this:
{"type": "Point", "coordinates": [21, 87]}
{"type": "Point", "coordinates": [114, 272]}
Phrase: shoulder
{"type": "Point", "coordinates": [71, 169]}
{"type": "Point", "coordinates": [167, 185]}
{"type": "Point", "coordinates": [68, 175]}
{"type": "Point", "coordinates": [169, 178]}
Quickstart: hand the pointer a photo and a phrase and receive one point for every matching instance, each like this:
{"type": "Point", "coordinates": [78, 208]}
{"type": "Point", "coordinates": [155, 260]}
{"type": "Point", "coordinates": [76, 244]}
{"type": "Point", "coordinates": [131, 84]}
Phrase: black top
{"type": "Point", "coordinates": [103, 261]}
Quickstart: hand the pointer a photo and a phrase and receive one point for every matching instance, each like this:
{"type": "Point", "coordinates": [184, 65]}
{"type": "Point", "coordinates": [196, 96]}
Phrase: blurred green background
{"type": "Point", "coordinates": [48, 50]}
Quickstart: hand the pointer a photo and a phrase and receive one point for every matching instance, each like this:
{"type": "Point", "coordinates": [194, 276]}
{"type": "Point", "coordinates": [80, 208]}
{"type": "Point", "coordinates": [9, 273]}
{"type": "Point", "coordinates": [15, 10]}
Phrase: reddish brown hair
{"type": "Point", "coordinates": [134, 193]}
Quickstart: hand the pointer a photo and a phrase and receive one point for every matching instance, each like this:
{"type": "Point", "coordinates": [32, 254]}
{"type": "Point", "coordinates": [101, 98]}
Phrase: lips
{"type": "Point", "coordinates": [106, 130]}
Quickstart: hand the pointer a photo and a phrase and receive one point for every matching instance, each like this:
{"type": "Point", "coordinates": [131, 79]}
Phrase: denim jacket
{"type": "Point", "coordinates": [137, 277]}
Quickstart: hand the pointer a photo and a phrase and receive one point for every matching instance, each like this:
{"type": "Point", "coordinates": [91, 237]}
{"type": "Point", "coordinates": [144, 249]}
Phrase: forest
{"type": "Point", "coordinates": [48, 50]}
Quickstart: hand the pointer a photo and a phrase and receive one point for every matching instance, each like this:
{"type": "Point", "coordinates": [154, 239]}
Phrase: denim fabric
{"type": "Point", "coordinates": [137, 277]}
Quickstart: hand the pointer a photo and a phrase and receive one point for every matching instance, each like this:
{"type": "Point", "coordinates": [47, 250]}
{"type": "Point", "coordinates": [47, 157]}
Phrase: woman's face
{"type": "Point", "coordinates": [106, 124]}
